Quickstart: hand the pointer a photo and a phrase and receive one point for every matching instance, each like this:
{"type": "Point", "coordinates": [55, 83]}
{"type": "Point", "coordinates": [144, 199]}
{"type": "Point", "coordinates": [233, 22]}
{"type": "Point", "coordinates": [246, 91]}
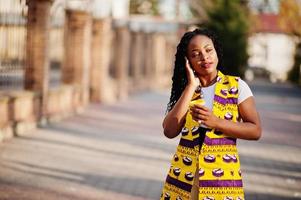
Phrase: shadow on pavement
{"type": "Point", "coordinates": [126, 185]}
{"type": "Point", "coordinates": [267, 197]}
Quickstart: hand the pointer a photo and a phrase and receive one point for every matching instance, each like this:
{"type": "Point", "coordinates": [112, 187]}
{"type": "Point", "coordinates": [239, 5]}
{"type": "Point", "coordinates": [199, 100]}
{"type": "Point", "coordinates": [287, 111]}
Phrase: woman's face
{"type": "Point", "coordinates": [202, 55]}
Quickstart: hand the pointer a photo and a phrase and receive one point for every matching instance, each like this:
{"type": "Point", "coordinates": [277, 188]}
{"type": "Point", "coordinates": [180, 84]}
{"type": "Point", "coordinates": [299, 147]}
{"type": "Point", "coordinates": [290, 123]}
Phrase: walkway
{"type": "Point", "coordinates": [119, 152]}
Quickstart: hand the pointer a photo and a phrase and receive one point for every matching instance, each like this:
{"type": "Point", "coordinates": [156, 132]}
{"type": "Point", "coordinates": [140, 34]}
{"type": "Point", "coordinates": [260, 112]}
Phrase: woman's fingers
{"type": "Point", "coordinates": [199, 117]}
{"type": "Point", "coordinates": [200, 107]}
{"type": "Point", "coordinates": [188, 67]}
{"type": "Point", "coordinates": [191, 76]}
{"type": "Point", "coordinates": [197, 120]}
{"type": "Point", "coordinates": [199, 114]}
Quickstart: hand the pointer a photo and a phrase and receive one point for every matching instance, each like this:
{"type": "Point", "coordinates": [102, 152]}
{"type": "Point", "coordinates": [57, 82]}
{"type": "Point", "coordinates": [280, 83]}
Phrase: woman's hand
{"type": "Point", "coordinates": [193, 80]}
{"type": "Point", "coordinates": [203, 115]}
{"type": "Point", "coordinates": [249, 129]}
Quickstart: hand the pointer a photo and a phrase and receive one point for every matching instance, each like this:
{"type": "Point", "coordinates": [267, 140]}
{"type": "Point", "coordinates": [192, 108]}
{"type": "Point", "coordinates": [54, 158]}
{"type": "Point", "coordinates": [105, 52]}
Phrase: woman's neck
{"type": "Point", "coordinates": [208, 80]}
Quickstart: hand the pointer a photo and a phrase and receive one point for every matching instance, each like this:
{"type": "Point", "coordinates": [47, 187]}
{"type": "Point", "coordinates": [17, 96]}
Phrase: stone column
{"type": "Point", "coordinates": [159, 54]}
{"type": "Point", "coordinates": [171, 41]}
{"type": "Point", "coordinates": [148, 53]}
{"type": "Point", "coordinates": [121, 60]}
{"type": "Point", "coordinates": [37, 46]}
{"type": "Point", "coordinates": [137, 57]}
{"type": "Point", "coordinates": [101, 51]}
{"type": "Point", "coordinates": [75, 69]}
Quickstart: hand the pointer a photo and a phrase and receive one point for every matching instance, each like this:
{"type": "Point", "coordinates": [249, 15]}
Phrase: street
{"type": "Point", "coordinates": [119, 152]}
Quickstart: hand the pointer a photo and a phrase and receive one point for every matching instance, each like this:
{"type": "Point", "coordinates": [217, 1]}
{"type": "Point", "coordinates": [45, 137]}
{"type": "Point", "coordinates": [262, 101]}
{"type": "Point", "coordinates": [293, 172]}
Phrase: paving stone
{"type": "Point", "coordinates": [119, 152]}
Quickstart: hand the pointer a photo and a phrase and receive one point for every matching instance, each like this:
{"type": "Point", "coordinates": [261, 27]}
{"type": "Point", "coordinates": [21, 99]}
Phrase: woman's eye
{"type": "Point", "coordinates": [195, 54]}
{"type": "Point", "coordinates": [208, 50]}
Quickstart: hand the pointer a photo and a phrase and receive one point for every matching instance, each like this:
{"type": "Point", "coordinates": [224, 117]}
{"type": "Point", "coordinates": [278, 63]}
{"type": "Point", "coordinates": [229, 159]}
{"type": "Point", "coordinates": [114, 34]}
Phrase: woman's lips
{"type": "Point", "coordinates": [205, 64]}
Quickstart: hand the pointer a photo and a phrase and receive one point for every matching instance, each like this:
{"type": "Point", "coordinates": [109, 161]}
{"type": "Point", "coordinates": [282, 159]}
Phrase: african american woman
{"type": "Point", "coordinates": [210, 111]}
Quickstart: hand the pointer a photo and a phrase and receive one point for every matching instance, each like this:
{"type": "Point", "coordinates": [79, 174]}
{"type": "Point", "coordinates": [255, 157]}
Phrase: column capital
{"type": "Point", "coordinates": [78, 18]}
{"type": "Point", "coordinates": [82, 13]}
{"type": "Point", "coordinates": [35, 1]}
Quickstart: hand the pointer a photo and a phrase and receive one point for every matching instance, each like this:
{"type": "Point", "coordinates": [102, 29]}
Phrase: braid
{"type": "Point", "coordinates": [179, 78]}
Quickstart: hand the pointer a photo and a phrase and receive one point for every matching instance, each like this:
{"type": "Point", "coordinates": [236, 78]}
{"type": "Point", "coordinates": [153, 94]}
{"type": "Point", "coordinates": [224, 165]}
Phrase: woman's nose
{"type": "Point", "coordinates": [203, 56]}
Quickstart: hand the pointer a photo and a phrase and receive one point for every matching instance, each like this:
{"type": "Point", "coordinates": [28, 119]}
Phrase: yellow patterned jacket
{"type": "Point", "coordinates": [216, 159]}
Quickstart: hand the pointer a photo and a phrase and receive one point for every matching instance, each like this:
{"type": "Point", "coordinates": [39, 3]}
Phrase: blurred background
{"type": "Point", "coordinates": [84, 86]}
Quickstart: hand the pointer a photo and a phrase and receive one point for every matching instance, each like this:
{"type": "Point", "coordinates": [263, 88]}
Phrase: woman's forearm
{"type": "Point", "coordinates": [242, 130]}
{"type": "Point", "coordinates": [174, 120]}
{"type": "Point", "coordinates": [249, 129]}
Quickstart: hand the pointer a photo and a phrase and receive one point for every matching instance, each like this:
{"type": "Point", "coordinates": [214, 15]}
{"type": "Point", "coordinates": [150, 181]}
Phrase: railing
{"type": "Point", "coordinates": [56, 46]}
{"type": "Point", "coordinates": [12, 43]}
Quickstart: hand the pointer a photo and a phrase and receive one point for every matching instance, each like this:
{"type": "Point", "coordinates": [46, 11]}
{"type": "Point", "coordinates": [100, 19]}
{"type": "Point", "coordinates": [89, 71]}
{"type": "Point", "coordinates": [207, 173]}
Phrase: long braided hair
{"type": "Point", "coordinates": [179, 78]}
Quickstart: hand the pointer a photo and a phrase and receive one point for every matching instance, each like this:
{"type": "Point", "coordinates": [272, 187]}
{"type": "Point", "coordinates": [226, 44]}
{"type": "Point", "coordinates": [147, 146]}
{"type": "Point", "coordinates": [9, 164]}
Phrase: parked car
{"type": "Point", "coordinates": [259, 73]}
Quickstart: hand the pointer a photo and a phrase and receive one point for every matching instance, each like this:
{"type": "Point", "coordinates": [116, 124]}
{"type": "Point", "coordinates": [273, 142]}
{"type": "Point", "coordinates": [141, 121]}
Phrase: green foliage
{"type": "Point", "coordinates": [229, 19]}
{"type": "Point", "coordinates": [294, 73]}
{"type": "Point", "coordinates": [146, 7]}
{"type": "Point", "coordinates": [290, 22]}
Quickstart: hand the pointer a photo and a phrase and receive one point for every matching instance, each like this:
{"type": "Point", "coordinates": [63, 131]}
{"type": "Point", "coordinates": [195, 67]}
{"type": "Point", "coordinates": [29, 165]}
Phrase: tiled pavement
{"type": "Point", "coordinates": [119, 152]}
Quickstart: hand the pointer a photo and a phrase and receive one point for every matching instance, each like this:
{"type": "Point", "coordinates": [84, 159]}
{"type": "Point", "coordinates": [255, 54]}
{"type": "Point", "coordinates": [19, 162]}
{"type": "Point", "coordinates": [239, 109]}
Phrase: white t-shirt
{"type": "Point", "coordinates": [244, 92]}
